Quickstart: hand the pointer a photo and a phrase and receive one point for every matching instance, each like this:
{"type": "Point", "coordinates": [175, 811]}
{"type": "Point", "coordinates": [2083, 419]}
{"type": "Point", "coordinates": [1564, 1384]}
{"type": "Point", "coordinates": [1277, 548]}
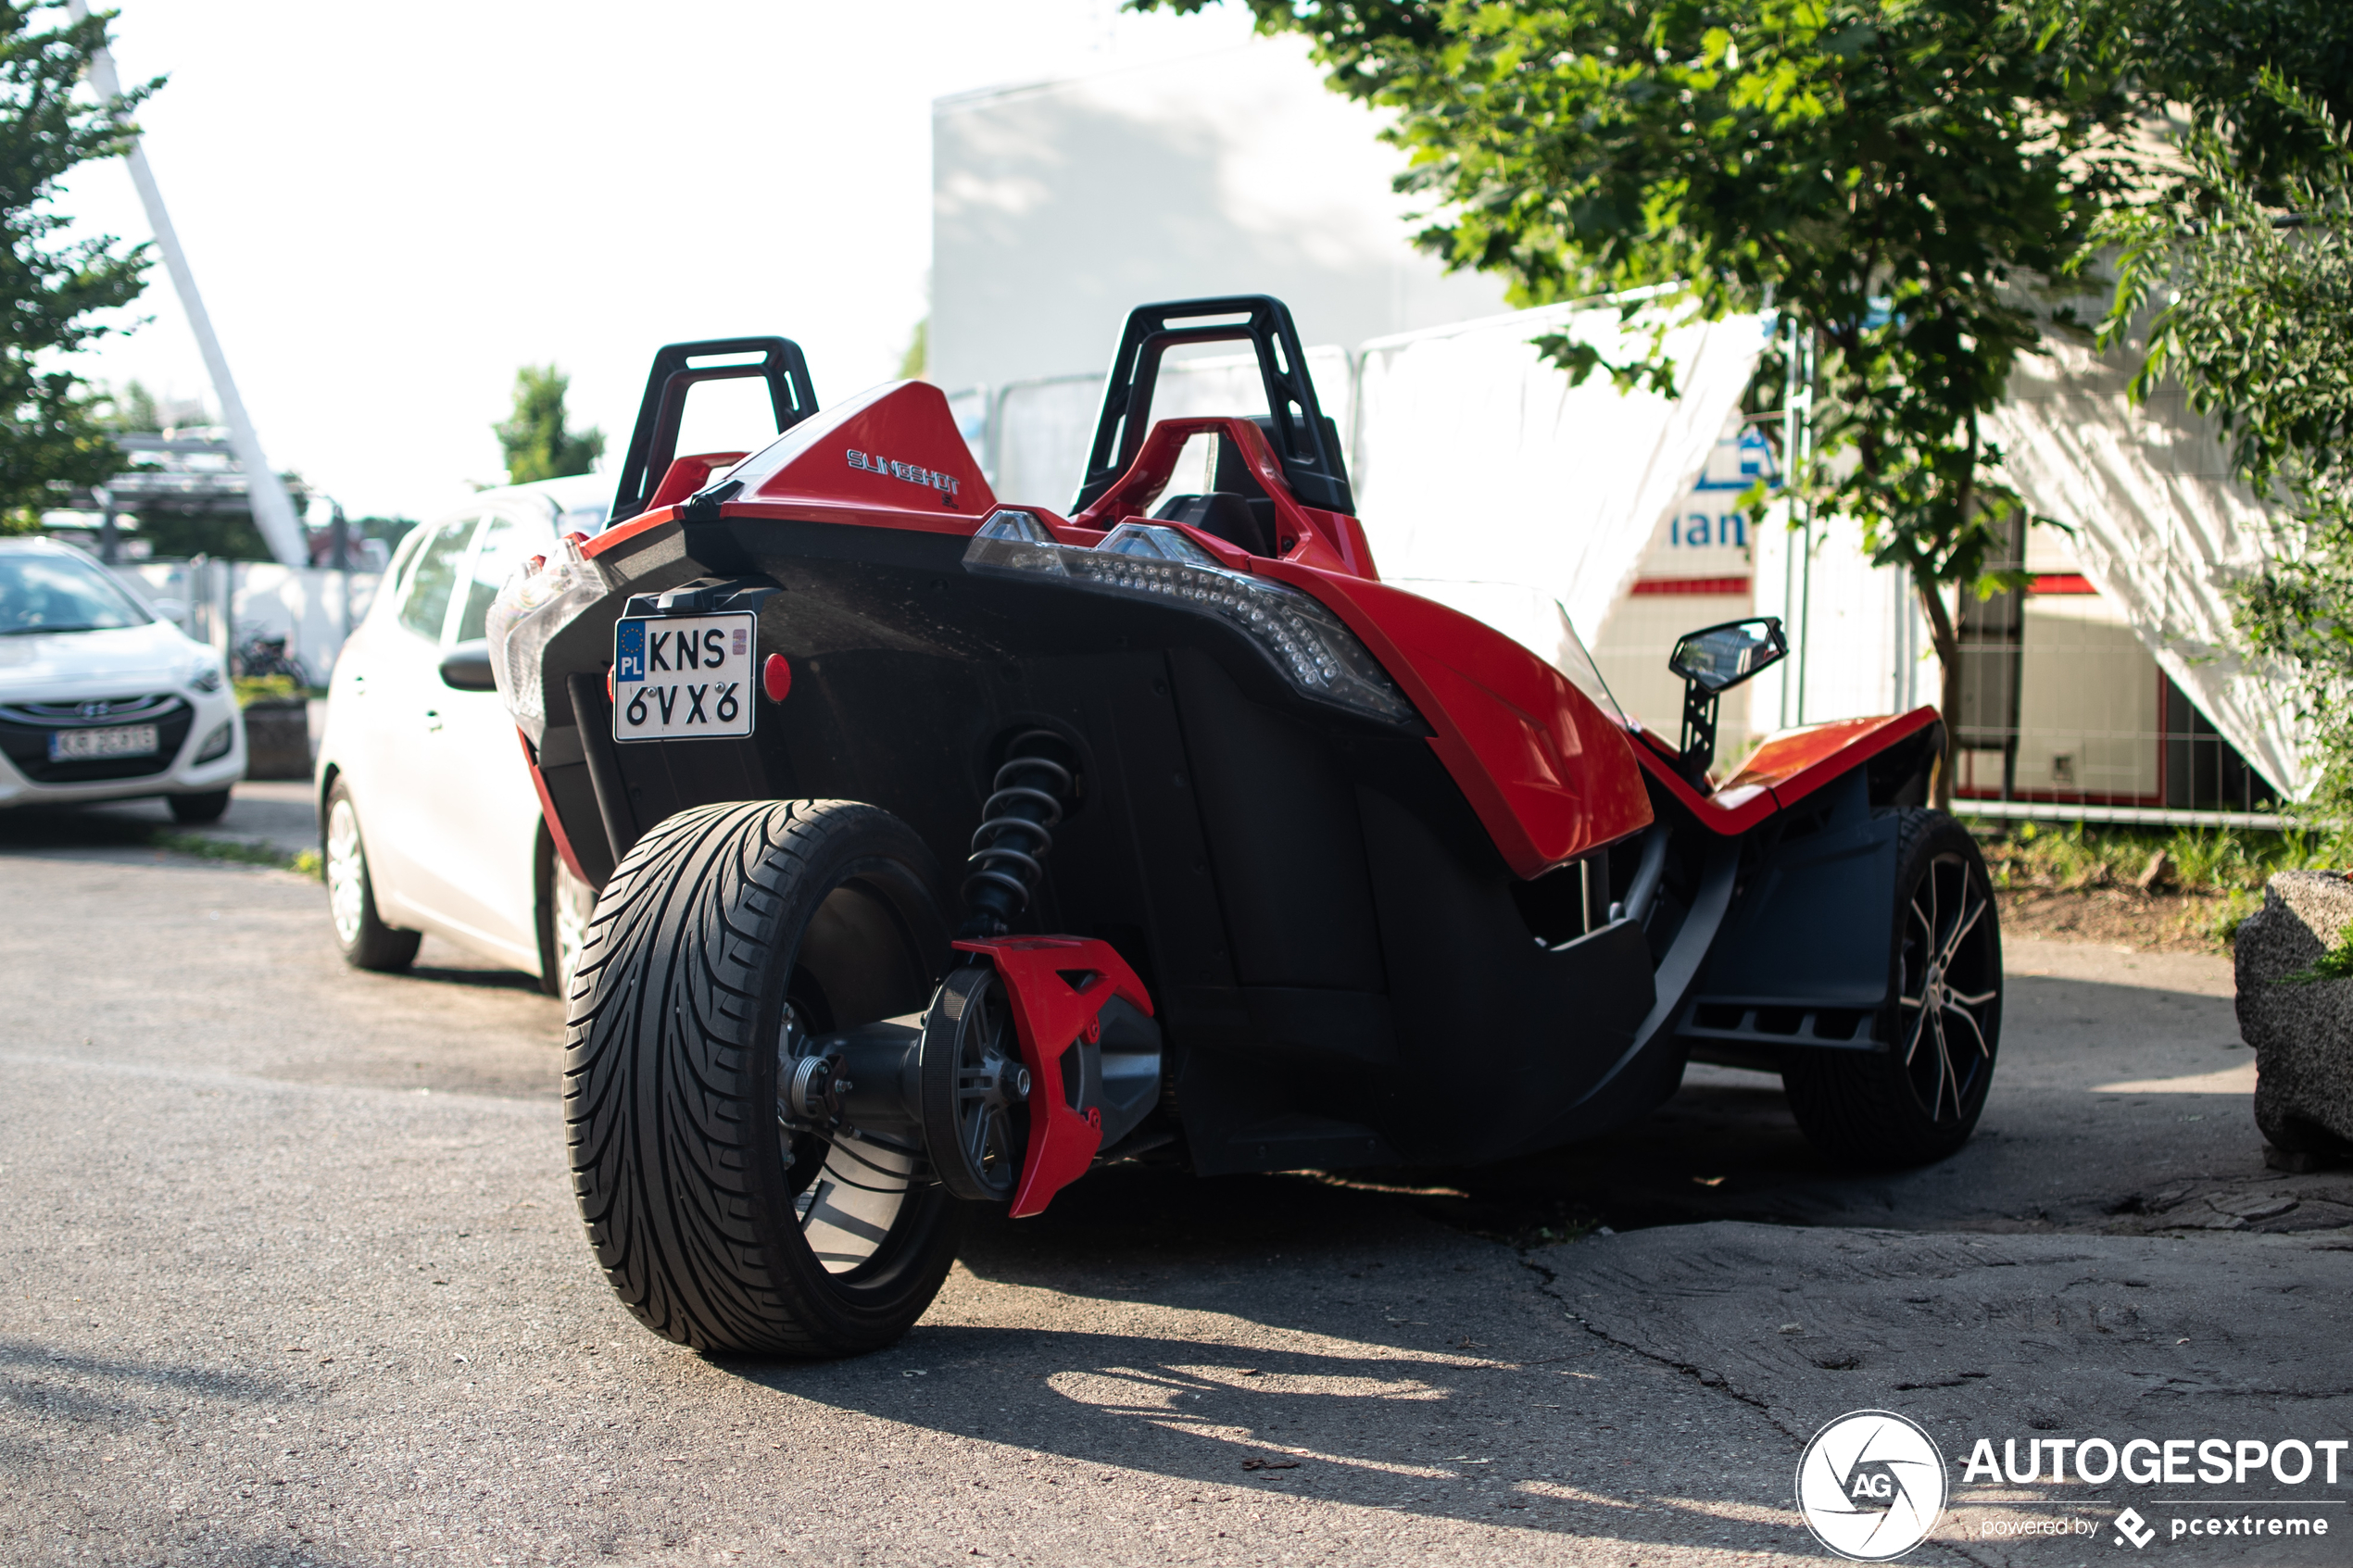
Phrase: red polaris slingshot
{"type": "Point", "coordinates": [948, 847]}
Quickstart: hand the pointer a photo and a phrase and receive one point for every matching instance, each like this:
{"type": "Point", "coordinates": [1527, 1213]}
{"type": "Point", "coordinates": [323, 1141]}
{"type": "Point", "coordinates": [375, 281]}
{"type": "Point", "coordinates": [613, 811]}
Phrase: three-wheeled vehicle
{"type": "Point", "coordinates": [1262, 864]}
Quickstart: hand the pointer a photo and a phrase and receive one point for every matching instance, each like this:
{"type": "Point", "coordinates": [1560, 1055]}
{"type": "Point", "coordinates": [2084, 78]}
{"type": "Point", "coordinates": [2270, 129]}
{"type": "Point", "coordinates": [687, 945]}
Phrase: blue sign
{"type": "Point", "coordinates": [629, 651]}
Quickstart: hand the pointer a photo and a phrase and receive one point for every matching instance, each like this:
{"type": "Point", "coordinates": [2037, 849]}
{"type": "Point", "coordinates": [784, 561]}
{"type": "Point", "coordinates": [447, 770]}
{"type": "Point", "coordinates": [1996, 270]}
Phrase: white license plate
{"type": "Point", "coordinates": [682, 677]}
{"type": "Point", "coordinates": [82, 746]}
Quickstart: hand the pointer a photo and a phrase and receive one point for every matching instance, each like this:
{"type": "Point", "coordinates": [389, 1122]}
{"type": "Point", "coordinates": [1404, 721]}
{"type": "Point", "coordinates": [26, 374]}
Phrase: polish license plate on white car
{"type": "Point", "coordinates": [682, 677]}
{"type": "Point", "coordinates": [86, 746]}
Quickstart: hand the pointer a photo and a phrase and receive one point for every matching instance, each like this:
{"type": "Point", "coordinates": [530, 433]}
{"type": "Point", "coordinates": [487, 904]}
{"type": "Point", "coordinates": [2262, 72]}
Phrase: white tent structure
{"type": "Point", "coordinates": [2162, 528]}
{"type": "Point", "coordinates": [1476, 461]}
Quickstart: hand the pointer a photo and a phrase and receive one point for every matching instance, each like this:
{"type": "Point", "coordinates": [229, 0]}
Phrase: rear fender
{"type": "Point", "coordinates": [1060, 988]}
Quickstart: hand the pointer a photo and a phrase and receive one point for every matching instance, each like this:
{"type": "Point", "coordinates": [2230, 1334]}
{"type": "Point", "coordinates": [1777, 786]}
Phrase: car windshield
{"type": "Point", "coordinates": [40, 591]}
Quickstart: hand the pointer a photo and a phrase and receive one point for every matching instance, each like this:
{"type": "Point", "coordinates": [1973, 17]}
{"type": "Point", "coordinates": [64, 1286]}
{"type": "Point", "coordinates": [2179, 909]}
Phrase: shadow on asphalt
{"type": "Point", "coordinates": [1405, 1374]}
{"type": "Point", "coordinates": [484, 979]}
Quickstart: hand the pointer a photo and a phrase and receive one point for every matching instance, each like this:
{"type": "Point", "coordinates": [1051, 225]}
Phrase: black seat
{"type": "Point", "coordinates": [1251, 527]}
{"type": "Point", "coordinates": [1223, 515]}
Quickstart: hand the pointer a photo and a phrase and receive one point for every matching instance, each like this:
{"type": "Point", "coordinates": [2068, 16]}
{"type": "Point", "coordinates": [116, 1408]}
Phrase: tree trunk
{"type": "Point", "coordinates": [1948, 658]}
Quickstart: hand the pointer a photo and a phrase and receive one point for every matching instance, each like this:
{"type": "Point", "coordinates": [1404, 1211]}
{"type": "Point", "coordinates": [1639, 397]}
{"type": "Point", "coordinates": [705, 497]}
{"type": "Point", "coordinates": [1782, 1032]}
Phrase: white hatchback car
{"type": "Point", "coordinates": [100, 698]}
{"type": "Point", "coordinates": [428, 819]}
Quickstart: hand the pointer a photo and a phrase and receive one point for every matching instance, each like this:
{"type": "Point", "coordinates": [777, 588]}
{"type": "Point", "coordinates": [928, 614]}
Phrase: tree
{"type": "Point", "coordinates": [1914, 185]}
{"type": "Point", "coordinates": [2255, 257]}
{"type": "Point", "coordinates": [537, 444]}
{"type": "Point", "coordinates": [132, 411]}
{"type": "Point", "coordinates": [54, 293]}
{"type": "Point", "coordinates": [917, 359]}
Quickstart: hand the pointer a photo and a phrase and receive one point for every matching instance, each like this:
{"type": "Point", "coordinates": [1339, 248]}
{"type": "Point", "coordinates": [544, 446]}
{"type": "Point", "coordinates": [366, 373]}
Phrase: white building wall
{"type": "Point", "coordinates": [1059, 207]}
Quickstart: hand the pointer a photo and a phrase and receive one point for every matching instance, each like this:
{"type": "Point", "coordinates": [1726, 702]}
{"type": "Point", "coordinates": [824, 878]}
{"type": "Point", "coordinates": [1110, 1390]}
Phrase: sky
{"type": "Point", "coordinates": [389, 209]}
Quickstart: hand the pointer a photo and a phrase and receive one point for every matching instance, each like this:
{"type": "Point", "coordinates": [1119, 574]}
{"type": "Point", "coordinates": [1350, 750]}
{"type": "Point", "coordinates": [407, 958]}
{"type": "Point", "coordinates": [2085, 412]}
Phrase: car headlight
{"type": "Point", "coordinates": [1308, 645]}
{"type": "Point", "coordinates": [216, 745]}
{"type": "Point", "coordinates": [204, 677]}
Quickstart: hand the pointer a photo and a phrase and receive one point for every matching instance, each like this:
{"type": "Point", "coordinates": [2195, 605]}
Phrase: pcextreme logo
{"type": "Point", "coordinates": [1870, 1486]}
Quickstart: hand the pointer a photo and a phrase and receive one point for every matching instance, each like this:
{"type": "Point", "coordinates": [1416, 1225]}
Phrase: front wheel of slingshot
{"type": "Point", "coordinates": [731, 941]}
{"type": "Point", "coordinates": [1919, 1100]}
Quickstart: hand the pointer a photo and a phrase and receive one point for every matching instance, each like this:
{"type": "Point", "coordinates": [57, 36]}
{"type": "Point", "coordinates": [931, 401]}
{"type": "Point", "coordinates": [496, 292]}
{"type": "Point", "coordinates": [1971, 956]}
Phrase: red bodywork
{"type": "Point", "coordinates": [1551, 777]}
{"type": "Point", "coordinates": [1058, 986]}
{"type": "Point", "coordinates": [1789, 766]}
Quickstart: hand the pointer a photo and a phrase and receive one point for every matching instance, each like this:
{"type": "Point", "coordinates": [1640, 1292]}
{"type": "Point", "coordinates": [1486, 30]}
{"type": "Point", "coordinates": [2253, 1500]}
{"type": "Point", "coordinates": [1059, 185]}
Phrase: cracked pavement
{"type": "Point", "coordinates": [297, 1280]}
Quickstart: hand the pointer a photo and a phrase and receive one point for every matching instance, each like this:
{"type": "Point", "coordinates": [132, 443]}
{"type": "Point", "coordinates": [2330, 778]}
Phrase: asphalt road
{"type": "Point", "coordinates": [294, 1276]}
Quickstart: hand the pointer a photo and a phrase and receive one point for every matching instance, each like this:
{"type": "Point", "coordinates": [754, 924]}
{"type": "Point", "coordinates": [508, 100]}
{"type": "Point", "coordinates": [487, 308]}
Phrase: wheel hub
{"type": "Point", "coordinates": [976, 1088]}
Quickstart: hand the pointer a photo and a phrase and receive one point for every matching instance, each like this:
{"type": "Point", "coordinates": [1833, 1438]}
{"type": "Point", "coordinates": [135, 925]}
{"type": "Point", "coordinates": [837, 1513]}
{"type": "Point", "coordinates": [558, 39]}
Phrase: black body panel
{"type": "Point", "coordinates": [1804, 961]}
{"type": "Point", "coordinates": [1342, 969]}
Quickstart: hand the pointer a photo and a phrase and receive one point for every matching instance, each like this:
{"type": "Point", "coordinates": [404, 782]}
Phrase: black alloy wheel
{"type": "Point", "coordinates": [728, 940]}
{"type": "Point", "coordinates": [1919, 1100]}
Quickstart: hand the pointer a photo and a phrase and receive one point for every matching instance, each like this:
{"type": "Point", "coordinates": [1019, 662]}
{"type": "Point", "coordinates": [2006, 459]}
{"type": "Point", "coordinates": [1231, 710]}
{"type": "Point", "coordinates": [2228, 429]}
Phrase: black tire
{"type": "Point", "coordinates": [367, 942]}
{"type": "Point", "coordinates": [1920, 1102]}
{"type": "Point", "coordinates": [729, 932]}
{"type": "Point", "coordinates": [197, 809]}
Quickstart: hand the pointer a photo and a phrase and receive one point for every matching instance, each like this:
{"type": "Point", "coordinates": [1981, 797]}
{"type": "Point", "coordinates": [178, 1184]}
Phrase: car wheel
{"type": "Point", "coordinates": [567, 904]}
{"type": "Point", "coordinates": [367, 942]}
{"type": "Point", "coordinates": [197, 809]}
{"type": "Point", "coordinates": [1919, 1100]}
{"type": "Point", "coordinates": [727, 938]}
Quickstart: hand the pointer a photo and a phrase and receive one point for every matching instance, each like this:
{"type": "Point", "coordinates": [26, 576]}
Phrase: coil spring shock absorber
{"type": "Point", "coordinates": [1016, 833]}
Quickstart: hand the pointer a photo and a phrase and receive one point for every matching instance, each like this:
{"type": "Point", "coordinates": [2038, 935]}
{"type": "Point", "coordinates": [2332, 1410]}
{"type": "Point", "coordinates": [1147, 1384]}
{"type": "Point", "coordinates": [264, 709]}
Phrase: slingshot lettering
{"type": "Point", "coordinates": [913, 473]}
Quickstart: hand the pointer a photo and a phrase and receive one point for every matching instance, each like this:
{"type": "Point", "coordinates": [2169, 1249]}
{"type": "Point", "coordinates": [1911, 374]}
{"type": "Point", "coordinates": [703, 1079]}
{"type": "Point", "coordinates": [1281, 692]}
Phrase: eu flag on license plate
{"type": "Point", "coordinates": [629, 652]}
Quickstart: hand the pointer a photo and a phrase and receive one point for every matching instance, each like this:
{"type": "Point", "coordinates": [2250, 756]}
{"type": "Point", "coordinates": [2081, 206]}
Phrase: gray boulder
{"type": "Point", "coordinates": [2302, 1032]}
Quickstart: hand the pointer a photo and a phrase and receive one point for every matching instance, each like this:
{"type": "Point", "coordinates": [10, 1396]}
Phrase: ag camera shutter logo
{"type": "Point", "coordinates": [1872, 1485]}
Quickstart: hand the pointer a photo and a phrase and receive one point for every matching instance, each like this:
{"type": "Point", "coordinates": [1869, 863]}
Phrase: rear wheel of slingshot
{"type": "Point", "coordinates": [728, 940]}
{"type": "Point", "coordinates": [1919, 1101]}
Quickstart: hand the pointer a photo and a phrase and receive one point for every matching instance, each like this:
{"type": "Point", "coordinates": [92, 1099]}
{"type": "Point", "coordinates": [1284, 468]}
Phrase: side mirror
{"type": "Point", "coordinates": [1717, 658]}
{"type": "Point", "coordinates": [466, 667]}
{"type": "Point", "coordinates": [1713, 660]}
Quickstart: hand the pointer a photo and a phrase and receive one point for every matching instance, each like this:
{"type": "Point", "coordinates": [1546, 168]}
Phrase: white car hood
{"type": "Point", "coordinates": [127, 660]}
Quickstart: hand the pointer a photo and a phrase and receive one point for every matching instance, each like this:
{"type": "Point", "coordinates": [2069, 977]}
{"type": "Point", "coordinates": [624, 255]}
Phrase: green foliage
{"type": "Point", "coordinates": [536, 442]}
{"type": "Point", "coordinates": [1917, 186]}
{"type": "Point", "coordinates": [2334, 964]}
{"type": "Point", "coordinates": [2225, 869]}
{"type": "Point", "coordinates": [2225, 861]}
{"type": "Point", "coordinates": [264, 688]}
{"type": "Point", "coordinates": [391, 530]}
{"type": "Point", "coordinates": [132, 411]}
{"type": "Point", "coordinates": [2255, 264]}
{"type": "Point", "coordinates": [917, 359]}
{"type": "Point", "coordinates": [54, 292]}
{"type": "Point", "coordinates": [222, 535]}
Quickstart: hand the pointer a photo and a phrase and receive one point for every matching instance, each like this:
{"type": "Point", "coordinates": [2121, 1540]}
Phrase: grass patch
{"type": "Point", "coordinates": [2334, 964]}
{"type": "Point", "coordinates": [238, 851]}
{"type": "Point", "coordinates": [265, 688]}
{"type": "Point", "coordinates": [2230, 862]}
{"type": "Point", "coordinates": [2199, 884]}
